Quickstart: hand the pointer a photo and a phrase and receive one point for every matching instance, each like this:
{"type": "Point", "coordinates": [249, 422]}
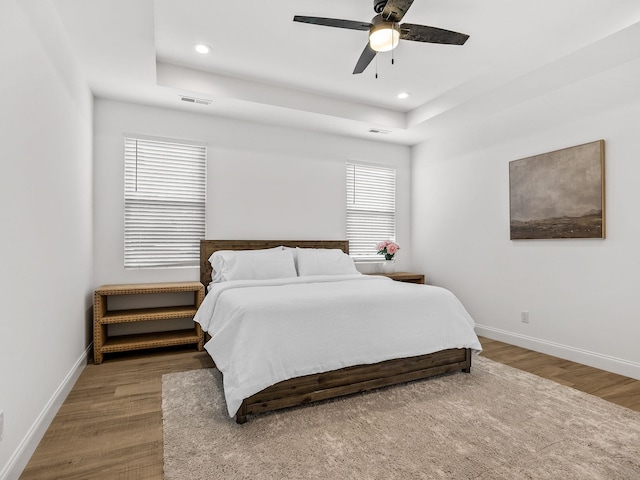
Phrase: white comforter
{"type": "Point", "coordinates": [266, 331]}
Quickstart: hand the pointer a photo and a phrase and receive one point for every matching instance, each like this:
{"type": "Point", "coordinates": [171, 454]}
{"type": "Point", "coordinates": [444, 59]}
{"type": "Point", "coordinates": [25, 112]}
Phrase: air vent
{"type": "Point", "coordinates": [380, 132]}
{"type": "Point", "coordinates": [200, 101]}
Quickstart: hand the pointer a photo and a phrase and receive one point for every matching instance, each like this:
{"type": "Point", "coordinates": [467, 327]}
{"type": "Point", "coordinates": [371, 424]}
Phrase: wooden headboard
{"type": "Point", "coordinates": [207, 247]}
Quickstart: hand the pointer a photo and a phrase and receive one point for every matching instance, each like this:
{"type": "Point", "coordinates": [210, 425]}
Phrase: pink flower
{"type": "Point", "coordinates": [388, 249]}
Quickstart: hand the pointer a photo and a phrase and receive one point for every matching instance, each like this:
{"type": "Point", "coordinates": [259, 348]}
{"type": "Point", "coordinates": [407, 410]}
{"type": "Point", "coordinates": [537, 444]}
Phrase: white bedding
{"type": "Point", "coordinates": [266, 331]}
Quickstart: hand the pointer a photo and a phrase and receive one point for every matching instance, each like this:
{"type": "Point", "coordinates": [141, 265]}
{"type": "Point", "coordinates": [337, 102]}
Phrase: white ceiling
{"type": "Point", "coordinates": [265, 67]}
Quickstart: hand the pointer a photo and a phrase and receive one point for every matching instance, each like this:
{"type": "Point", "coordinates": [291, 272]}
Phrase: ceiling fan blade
{"type": "Point", "coordinates": [367, 55]}
{"type": "Point", "coordinates": [394, 10]}
{"type": "Point", "coordinates": [422, 33]}
{"type": "Point", "coordinates": [333, 22]}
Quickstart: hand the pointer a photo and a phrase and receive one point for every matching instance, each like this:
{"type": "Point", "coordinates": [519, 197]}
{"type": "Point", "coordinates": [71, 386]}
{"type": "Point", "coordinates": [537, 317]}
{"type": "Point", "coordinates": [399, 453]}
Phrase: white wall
{"type": "Point", "coordinates": [264, 182]}
{"type": "Point", "coordinates": [582, 295]}
{"type": "Point", "coordinates": [46, 218]}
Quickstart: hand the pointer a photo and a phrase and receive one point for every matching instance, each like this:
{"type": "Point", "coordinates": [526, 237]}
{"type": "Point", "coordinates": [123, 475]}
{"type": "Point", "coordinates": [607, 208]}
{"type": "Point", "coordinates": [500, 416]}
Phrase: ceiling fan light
{"type": "Point", "coordinates": [384, 37]}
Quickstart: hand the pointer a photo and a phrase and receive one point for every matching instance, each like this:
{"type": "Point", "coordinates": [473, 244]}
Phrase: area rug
{"type": "Point", "coordinates": [494, 423]}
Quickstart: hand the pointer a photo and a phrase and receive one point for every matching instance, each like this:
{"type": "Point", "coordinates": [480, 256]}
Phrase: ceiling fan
{"type": "Point", "coordinates": [385, 31]}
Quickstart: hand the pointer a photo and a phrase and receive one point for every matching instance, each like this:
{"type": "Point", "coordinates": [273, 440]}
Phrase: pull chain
{"type": "Point", "coordinates": [392, 55]}
{"type": "Point", "coordinates": [376, 66]}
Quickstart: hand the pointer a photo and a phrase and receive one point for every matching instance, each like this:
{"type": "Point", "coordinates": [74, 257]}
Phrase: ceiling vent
{"type": "Point", "coordinates": [200, 101]}
{"type": "Point", "coordinates": [380, 132]}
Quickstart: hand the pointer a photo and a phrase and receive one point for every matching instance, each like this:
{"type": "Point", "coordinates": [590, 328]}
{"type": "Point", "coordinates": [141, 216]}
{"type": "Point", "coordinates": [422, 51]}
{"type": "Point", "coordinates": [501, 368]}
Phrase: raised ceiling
{"type": "Point", "coordinates": [267, 68]}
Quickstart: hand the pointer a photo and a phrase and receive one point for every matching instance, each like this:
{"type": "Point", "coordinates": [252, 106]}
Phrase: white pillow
{"type": "Point", "coordinates": [294, 252]}
{"type": "Point", "coordinates": [324, 261]}
{"type": "Point", "coordinates": [252, 264]}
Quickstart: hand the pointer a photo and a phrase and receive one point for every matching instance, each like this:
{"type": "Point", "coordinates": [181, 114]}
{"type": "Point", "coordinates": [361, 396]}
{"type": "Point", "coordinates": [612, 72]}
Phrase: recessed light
{"type": "Point", "coordinates": [403, 95]}
{"type": "Point", "coordinates": [202, 48]}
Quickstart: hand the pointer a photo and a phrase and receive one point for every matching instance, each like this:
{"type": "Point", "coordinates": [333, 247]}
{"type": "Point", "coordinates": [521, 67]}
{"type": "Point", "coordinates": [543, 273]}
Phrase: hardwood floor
{"type": "Point", "coordinates": [617, 389]}
{"type": "Point", "coordinates": [110, 426]}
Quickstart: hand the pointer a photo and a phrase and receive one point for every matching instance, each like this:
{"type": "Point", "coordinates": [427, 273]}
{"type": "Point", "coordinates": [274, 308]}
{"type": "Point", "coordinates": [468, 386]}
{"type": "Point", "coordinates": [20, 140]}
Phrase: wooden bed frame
{"type": "Point", "coordinates": [345, 381]}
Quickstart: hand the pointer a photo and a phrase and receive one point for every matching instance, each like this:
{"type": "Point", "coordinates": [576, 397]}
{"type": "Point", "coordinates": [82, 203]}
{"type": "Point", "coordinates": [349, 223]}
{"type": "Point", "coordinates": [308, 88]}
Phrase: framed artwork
{"type": "Point", "coordinates": [558, 194]}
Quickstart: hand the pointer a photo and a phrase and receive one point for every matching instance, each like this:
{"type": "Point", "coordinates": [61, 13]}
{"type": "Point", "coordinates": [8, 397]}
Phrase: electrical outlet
{"type": "Point", "coordinates": [524, 317]}
{"type": "Point", "coordinates": [1, 424]}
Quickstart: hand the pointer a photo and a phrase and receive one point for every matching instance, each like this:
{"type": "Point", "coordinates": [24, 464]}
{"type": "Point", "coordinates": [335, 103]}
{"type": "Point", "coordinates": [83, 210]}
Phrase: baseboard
{"type": "Point", "coordinates": [18, 461]}
{"type": "Point", "coordinates": [593, 359]}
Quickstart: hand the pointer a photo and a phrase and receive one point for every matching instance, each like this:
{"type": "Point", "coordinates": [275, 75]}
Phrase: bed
{"type": "Point", "coordinates": [254, 382]}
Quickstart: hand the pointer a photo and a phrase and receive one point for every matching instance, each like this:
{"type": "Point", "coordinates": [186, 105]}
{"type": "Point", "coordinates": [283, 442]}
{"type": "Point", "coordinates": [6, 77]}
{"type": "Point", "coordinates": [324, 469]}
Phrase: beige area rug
{"type": "Point", "coordinates": [495, 423]}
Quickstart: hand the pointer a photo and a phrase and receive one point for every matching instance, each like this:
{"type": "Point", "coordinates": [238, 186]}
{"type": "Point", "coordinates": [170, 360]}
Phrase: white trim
{"type": "Point", "coordinates": [593, 359]}
{"type": "Point", "coordinates": [18, 461]}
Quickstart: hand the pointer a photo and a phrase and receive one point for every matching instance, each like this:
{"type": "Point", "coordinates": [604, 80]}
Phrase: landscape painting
{"type": "Point", "coordinates": [559, 194]}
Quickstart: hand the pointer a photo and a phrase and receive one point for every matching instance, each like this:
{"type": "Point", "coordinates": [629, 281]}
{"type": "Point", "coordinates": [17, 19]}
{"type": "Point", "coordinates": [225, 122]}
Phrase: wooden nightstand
{"type": "Point", "coordinates": [404, 277]}
{"type": "Point", "coordinates": [102, 316]}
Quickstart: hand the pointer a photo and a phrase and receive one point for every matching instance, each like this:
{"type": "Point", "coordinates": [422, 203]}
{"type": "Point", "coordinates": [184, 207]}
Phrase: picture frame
{"type": "Point", "coordinates": [560, 194]}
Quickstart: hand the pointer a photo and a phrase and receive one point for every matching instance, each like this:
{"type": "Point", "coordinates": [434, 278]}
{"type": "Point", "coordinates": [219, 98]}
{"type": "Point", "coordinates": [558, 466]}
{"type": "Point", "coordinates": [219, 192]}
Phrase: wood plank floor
{"type": "Point", "coordinates": [617, 389]}
{"type": "Point", "coordinates": [110, 426]}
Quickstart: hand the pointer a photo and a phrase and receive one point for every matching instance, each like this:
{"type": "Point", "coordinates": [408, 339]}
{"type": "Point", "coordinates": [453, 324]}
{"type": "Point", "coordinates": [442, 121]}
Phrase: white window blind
{"type": "Point", "coordinates": [371, 209]}
{"type": "Point", "coordinates": [164, 203]}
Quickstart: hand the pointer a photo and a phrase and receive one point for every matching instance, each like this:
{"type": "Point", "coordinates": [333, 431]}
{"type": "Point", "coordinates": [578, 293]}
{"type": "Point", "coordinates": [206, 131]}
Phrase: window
{"type": "Point", "coordinates": [164, 203]}
{"type": "Point", "coordinates": [371, 208]}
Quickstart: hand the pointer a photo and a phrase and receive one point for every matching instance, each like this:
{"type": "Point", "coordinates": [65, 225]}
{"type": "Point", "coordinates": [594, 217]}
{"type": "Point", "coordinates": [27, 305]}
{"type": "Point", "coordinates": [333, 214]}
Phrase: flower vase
{"type": "Point", "coordinates": [389, 266]}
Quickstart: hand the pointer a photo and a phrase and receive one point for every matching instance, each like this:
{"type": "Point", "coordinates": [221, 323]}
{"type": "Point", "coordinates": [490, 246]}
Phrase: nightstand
{"type": "Point", "coordinates": [103, 316]}
{"type": "Point", "coordinates": [404, 277]}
